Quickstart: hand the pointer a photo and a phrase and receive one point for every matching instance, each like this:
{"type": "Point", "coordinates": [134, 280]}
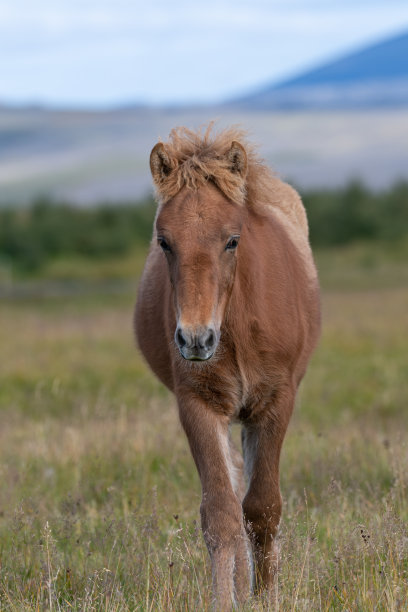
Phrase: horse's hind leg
{"type": "Point", "coordinates": [262, 505]}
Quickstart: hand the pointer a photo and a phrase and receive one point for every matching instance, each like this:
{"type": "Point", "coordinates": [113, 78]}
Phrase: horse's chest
{"type": "Point", "coordinates": [233, 389]}
{"type": "Point", "coordinates": [218, 389]}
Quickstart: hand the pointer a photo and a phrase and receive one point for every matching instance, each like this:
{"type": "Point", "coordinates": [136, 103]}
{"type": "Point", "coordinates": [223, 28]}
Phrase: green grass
{"type": "Point", "coordinates": [363, 265]}
{"type": "Point", "coordinates": [99, 497]}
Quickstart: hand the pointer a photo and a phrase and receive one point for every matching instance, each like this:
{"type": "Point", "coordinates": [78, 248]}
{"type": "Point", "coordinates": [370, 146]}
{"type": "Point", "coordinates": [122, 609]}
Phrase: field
{"type": "Point", "coordinates": [99, 497]}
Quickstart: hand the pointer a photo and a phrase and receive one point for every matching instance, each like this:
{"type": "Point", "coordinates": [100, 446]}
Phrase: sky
{"type": "Point", "coordinates": [101, 53]}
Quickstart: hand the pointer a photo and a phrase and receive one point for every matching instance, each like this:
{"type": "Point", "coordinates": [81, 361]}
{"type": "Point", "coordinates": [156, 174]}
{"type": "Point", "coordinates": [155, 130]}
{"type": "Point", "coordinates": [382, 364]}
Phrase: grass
{"type": "Point", "coordinates": [99, 498]}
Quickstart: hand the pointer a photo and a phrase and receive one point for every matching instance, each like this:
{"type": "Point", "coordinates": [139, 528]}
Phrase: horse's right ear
{"type": "Point", "coordinates": [160, 163]}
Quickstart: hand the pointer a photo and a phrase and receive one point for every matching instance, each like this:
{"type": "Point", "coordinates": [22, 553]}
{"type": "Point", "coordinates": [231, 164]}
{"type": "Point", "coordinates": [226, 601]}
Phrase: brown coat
{"type": "Point", "coordinates": [227, 317]}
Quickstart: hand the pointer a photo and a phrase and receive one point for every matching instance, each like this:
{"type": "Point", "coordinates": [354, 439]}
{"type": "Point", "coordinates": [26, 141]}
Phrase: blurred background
{"type": "Point", "coordinates": [100, 497]}
{"type": "Point", "coordinates": [87, 88]}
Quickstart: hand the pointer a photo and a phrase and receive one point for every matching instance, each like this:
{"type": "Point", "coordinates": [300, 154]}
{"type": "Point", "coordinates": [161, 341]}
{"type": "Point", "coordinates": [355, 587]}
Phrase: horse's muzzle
{"type": "Point", "coordinates": [196, 344]}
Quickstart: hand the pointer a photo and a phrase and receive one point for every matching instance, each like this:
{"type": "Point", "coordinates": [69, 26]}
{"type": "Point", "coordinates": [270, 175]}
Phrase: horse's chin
{"type": "Point", "coordinates": [197, 358]}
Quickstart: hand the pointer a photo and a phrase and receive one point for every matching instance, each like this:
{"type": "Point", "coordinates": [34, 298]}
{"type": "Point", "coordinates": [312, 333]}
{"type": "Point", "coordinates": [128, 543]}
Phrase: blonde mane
{"type": "Point", "coordinates": [198, 157]}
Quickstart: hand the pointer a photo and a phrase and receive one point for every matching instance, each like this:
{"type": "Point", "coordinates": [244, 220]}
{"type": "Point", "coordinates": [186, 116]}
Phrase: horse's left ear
{"type": "Point", "coordinates": [237, 158]}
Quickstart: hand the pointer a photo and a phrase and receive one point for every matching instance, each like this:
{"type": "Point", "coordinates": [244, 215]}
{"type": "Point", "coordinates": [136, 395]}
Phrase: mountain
{"type": "Point", "coordinates": [373, 77]}
{"type": "Point", "coordinates": [91, 156]}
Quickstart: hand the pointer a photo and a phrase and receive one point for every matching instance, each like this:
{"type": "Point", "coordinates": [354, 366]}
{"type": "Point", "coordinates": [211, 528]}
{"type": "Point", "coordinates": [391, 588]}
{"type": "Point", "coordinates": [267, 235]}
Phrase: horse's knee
{"type": "Point", "coordinates": [262, 516]}
{"type": "Point", "coordinates": [221, 522]}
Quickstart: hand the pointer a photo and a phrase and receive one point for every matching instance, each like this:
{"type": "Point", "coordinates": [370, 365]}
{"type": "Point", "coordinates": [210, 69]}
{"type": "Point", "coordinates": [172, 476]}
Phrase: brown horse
{"type": "Point", "coordinates": [227, 317]}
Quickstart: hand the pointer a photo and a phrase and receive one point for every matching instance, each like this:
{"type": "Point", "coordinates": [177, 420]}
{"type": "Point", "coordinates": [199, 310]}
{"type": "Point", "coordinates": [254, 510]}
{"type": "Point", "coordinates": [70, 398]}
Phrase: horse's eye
{"type": "Point", "coordinates": [164, 245]}
{"type": "Point", "coordinates": [232, 243]}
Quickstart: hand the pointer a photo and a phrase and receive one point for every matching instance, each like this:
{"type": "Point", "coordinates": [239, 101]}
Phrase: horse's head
{"type": "Point", "coordinates": [198, 229]}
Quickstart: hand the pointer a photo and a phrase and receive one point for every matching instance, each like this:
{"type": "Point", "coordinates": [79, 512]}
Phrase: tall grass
{"type": "Point", "coordinates": [99, 498]}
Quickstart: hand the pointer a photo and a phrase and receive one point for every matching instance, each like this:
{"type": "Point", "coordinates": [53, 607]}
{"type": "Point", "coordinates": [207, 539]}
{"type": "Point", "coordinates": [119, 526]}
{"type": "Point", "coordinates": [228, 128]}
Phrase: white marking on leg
{"type": "Point", "coordinates": [249, 448]}
{"type": "Point", "coordinates": [233, 472]}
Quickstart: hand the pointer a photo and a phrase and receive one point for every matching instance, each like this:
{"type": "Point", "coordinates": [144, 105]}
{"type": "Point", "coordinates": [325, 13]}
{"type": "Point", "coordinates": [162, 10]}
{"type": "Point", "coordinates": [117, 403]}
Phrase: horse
{"type": "Point", "coordinates": [227, 316]}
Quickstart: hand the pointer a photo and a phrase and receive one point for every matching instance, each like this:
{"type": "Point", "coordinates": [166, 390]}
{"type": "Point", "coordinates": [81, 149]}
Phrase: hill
{"type": "Point", "coordinates": [92, 157]}
{"type": "Point", "coordinates": [373, 77]}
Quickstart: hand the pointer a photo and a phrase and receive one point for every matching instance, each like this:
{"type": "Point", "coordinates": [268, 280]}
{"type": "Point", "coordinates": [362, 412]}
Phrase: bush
{"type": "Point", "coordinates": [29, 237]}
{"type": "Point", "coordinates": [354, 213]}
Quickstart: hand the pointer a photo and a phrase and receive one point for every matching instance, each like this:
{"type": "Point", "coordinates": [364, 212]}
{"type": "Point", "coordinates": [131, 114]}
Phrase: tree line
{"type": "Point", "coordinates": [31, 236]}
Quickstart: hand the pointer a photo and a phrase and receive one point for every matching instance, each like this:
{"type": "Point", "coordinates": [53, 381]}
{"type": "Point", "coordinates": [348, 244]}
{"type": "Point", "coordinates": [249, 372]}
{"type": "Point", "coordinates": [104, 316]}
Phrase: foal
{"type": "Point", "coordinates": [227, 317]}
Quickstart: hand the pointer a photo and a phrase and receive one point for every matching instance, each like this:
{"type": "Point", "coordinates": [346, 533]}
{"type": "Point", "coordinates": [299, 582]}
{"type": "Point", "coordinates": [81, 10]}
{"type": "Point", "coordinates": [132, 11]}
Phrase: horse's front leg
{"type": "Point", "coordinates": [221, 511]}
{"type": "Point", "coordinates": [262, 505]}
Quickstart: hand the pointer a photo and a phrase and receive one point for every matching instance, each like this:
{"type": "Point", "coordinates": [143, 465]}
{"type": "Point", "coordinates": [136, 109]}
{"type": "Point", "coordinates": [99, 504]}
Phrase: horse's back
{"type": "Point", "coordinates": [290, 213]}
{"type": "Point", "coordinates": [285, 199]}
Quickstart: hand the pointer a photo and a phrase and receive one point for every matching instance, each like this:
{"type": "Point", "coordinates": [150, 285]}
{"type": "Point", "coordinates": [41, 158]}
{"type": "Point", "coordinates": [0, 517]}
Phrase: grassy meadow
{"type": "Point", "coordinates": [99, 497]}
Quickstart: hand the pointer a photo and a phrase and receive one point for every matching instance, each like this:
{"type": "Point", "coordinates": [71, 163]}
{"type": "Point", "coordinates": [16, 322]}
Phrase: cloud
{"type": "Point", "coordinates": [177, 51]}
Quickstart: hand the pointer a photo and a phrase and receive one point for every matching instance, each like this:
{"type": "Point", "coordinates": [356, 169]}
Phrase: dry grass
{"type": "Point", "coordinates": [99, 498]}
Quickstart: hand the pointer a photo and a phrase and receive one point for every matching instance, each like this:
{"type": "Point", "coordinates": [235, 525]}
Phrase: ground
{"type": "Point", "coordinates": [99, 498]}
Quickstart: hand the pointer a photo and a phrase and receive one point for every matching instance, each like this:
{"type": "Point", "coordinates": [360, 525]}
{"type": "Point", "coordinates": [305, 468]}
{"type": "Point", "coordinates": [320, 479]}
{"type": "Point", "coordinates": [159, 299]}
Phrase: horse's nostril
{"type": "Point", "coordinates": [195, 345]}
{"type": "Point", "coordinates": [210, 340]}
{"type": "Point", "coordinates": [181, 341]}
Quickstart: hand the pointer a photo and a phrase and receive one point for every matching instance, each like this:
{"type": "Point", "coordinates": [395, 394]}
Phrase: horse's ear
{"type": "Point", "coordinates": [160, 163]}
{"type": "Point", "coordinates": [237, 158]}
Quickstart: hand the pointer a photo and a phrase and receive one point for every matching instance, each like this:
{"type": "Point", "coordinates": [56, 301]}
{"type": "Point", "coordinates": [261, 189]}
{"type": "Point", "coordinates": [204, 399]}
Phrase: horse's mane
{"type": "Point", "coordinates": [199, 157]}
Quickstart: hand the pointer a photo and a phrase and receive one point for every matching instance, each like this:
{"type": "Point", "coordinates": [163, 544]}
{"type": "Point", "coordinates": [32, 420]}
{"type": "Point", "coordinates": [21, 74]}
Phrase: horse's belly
{"type": "Point", "coordinates": [152, 325]}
